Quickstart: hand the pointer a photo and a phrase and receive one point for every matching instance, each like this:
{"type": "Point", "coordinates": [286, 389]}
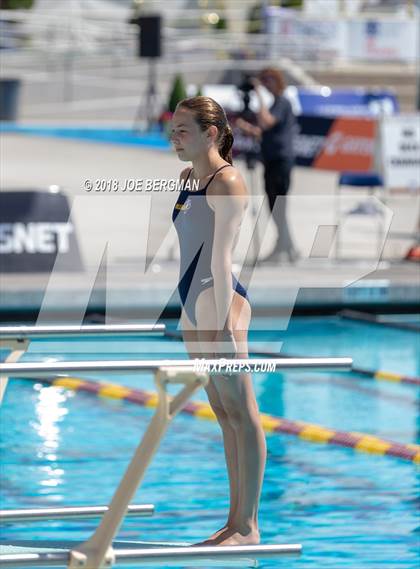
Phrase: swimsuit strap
{"type": "Point", "coordinates": [211, 179]}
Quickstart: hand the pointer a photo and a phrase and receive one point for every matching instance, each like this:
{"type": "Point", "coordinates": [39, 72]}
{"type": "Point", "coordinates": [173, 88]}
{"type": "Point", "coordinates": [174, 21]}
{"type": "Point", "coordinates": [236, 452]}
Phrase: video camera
{"type": "Point", "coordinates": [250, 147]}
{"type": "Point", "coordinates": [246, 86]}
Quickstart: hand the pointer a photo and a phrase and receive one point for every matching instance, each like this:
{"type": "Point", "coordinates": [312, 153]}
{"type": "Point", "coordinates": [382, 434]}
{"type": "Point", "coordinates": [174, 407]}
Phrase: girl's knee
{"type": "Point", "coordinates": [221, 415]}
{"type": "Point", "coordinates": [241, 417]}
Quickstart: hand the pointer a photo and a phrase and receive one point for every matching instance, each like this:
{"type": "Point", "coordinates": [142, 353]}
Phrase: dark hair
{"type": "Point", "coordinates": [207, 112]}
{"type": "Point", "coordinates": [276, 74]}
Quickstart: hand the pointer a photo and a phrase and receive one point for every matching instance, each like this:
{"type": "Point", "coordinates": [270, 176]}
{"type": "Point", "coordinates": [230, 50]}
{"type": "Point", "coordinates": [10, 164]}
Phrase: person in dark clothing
{"type": "Point", "coordinates": [275, 130]}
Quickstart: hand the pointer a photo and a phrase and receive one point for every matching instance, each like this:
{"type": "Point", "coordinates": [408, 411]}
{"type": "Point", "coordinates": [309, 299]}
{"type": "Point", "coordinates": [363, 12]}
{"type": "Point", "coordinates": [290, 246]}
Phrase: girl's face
{"type": "Point", "coordinates": [187, 138]}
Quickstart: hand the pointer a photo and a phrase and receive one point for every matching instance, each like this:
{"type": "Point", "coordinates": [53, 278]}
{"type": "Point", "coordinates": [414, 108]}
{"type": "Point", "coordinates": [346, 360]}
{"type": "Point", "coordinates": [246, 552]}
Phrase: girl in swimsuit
{"type": "Point", "coordinates": [215, 307]}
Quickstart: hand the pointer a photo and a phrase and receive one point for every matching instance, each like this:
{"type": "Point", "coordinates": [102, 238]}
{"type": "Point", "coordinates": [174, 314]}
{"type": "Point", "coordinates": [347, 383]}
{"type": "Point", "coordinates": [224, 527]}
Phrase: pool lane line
{"type": "Point", "coordinates": [388, 376]}
{"type": "Point", "coordinates": [368, 389]}
{"type": "Point", "coordinates": [378, 374]}
{"type": "Point", "coordinates": [307, 431]}
{"type": "Point", "coordinates": [368, 318]}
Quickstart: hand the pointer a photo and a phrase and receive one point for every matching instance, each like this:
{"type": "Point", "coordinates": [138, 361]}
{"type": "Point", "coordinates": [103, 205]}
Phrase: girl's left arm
{"type": "Point", "coordinates": [229, 204]}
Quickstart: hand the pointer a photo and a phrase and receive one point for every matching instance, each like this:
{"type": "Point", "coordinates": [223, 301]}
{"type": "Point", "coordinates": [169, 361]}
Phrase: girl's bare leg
{"type": "Point", "coordinates": [190, 337]}
{"type": "Point", "coordinates": [246, 448]}
{"type": "Point", "coordinates": [233, 401]}
{"type": "Point", "coordinates": [237, 395]}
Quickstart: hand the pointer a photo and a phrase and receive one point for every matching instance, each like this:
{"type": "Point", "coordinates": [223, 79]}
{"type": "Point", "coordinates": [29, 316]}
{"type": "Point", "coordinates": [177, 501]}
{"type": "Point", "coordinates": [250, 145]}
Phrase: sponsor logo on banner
{"type": "Point", "coordinates": [327, 143]}
{"type": "Point", "coordinates": [349, 145]}
{"type": "Point", "coordinates": [336, 144]}
{"type": "Point", "coordinates": [35, 237]}
{"type": "Point", "coordinates": [35, 226]}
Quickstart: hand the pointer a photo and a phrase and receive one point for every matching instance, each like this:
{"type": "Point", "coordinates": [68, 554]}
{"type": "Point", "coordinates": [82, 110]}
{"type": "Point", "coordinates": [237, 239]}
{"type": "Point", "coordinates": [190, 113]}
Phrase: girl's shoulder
{"type": "Point", "coordinates": [185, 173]}
{"type": "Point", "coordinates": [228, 181]}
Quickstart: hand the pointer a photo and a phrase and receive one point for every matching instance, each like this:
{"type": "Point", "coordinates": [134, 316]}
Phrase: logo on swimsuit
{"type": "Point", "coordinates": [206, 280]}
{"type": "Point", "coordinates": [183, 207]}
{"type": "Point", "coordinates": [187, 205]}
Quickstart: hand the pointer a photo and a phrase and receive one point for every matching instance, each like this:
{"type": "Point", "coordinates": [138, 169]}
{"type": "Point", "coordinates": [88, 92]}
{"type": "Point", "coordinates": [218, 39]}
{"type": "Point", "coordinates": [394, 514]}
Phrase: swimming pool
{"type": "Point", "coordinates": [348, 509]}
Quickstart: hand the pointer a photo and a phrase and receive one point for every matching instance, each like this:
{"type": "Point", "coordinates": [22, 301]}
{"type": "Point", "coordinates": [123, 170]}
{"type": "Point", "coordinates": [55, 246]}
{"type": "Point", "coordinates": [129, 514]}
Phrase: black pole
{"type": "Point", "coordinates": [151, 93]}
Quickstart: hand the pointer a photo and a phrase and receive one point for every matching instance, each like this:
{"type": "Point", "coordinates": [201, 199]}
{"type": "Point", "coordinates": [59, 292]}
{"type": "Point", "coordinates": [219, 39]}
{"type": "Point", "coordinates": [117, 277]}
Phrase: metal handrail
{"type": "Point", "coordinates": [17, 338]}
{"type": "Point", "coordinates": [212, 366]}
{"type": "Point", "coordinates": [98, 551]}
{"type": "Point", "coordinates": [71, 512]}
{"type": "Point", "coordinates": [244, 555]}
{"type": "Point", "coordinates": [20, 332]}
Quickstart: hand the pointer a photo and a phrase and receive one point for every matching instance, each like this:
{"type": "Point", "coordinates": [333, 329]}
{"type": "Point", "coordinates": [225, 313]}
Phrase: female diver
{"type": "Point", "coordinates": [215, 307]}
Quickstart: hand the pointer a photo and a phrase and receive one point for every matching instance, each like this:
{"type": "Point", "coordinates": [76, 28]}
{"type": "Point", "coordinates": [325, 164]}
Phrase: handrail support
{"type": "Point", "coordinates": [18, 347]}
{"type": "Point", "coordinates": [97, 552]}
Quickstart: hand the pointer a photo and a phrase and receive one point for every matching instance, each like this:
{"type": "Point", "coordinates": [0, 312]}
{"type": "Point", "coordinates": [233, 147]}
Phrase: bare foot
{"type": "Point", "coordinates": [239, 537]}
{"type": "Point", "coordinates": [212, 539]}
{"type": "Point", "coordinates": [233, 536]}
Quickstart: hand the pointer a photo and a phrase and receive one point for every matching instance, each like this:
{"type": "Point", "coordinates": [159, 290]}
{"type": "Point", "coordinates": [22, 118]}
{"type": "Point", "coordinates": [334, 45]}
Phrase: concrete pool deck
{"type": "Point", "coordinates": [119, 220]}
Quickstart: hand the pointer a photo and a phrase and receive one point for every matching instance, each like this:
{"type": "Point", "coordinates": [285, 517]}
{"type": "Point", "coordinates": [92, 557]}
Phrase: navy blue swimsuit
{"type": "Point", "coordinates": [194, 223]}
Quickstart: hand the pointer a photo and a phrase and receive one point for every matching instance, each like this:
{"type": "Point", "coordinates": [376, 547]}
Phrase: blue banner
{"type": "Point", "coordinates": [326, 102]}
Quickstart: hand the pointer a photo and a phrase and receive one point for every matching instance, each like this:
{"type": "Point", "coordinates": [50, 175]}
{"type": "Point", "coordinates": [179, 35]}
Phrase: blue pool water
{"type": "Point", "coordinates": [348, 509]}
{"type": "Point", "coordinates": [155, 139]}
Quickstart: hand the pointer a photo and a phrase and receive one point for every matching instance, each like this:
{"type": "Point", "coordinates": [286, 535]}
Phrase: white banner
{"type": "Point", "coordinates": [383, 40]}
{"type": "Point", "coordinates": [400, 151]}
{"type": "Point", "coordinates": [324, 35]}
{"type": "Point", "coordinates": [304, 37]}
{"type": "Point", "coordinates": [332, 7]}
